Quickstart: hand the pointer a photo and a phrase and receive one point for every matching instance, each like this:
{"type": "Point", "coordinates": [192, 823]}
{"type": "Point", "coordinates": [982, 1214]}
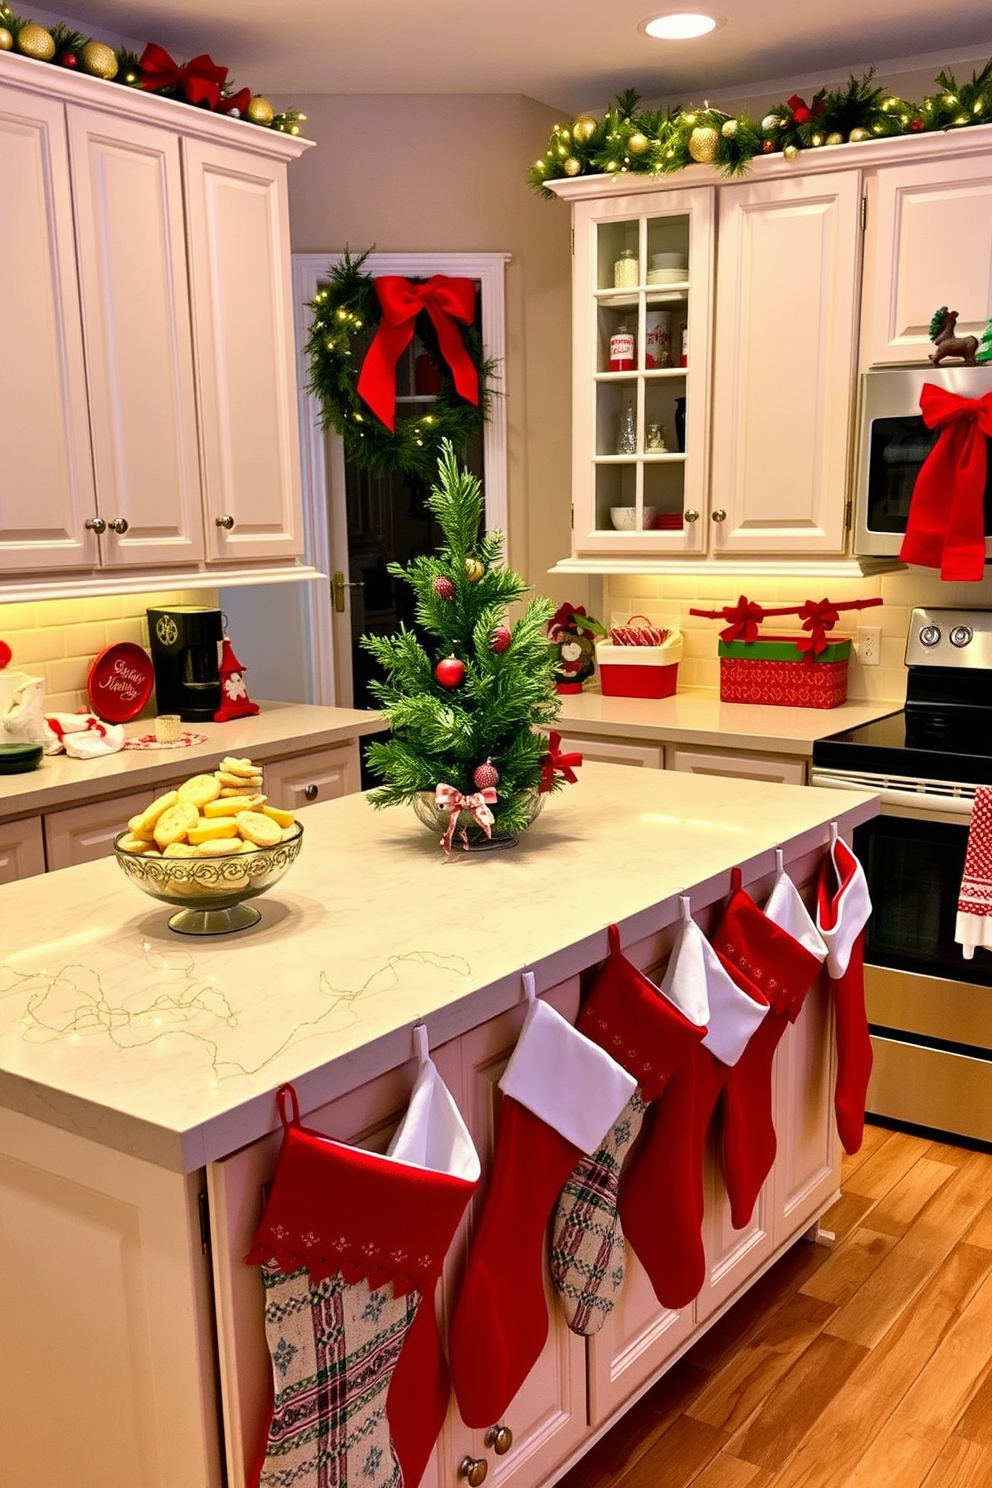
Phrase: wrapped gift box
{"type": "Point", "coordinates": [640, 671]}
{"type": "Point", "coordinates": [774, 671]}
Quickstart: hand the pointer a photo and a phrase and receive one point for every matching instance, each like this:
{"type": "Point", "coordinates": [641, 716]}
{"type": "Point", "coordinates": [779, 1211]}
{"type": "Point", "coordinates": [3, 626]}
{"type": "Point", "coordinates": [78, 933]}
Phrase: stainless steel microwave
{"type": "Point", "coordinates": [892, 444]}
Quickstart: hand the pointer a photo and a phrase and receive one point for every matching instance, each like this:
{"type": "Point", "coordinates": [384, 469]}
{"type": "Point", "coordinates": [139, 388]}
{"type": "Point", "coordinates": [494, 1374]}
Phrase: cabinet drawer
{"type": "Point", "coordinates": [608, 752]}
{"type": "Point", "coordinates": [81, 833]}
{"type": "Point", "coordinates": [22, 849]}
{"type": "Point", "coordinates": [785, 769]}
{"type": "Point", "coordinates": [321, 776]}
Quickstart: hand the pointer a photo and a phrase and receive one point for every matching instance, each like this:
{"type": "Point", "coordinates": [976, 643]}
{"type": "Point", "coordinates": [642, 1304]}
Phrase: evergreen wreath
{"type": "Point", "coordinates": [346, 316]}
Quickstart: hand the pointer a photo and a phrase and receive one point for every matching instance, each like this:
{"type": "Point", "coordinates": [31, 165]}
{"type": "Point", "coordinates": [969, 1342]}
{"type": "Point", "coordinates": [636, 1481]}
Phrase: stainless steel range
{"type": "Point", "coordinates": [929, 1009]}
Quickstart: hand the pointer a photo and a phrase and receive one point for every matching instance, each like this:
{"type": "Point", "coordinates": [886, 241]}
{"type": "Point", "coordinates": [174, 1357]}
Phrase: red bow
{"type": "Point", "coordinates": [200, 80]}
{"type": "Point", "coordinates": [744, 619]}
{"type": "Point", "coordinates": [445, 300]}
{"type": "Point", "coordinates": [446, 798]}
{"type": "Point", "coordinates": [817, 619]}
{"type": "Point", "coordinates": [945, 528]}
{"type": "Point", "coordinates": [555, 763]}
{"type": "Point", "coordinates": [801, 112]}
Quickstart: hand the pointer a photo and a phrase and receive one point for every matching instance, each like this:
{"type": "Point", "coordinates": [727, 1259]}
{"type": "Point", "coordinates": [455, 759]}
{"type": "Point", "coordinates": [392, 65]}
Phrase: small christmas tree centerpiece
{"type": "Point", "coordinates": [464, 706]}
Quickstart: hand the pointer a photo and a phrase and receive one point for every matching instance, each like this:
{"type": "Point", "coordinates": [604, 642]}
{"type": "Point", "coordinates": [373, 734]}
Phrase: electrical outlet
{"type": "Point", "coordinates": [869, 644]}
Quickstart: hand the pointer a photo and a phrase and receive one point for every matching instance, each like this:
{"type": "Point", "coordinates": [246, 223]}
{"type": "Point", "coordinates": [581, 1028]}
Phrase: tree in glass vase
{"type": "Point", "coordinates": [464, 704]}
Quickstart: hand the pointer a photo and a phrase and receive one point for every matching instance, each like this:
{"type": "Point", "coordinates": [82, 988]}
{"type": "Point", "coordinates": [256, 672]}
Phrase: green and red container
{"type": "Point", "coordinates": [773, 671]}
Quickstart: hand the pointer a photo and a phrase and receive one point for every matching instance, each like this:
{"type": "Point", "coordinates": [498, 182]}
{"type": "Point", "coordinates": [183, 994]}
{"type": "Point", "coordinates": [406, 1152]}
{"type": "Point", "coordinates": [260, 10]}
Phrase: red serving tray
{"type": "Point", "coordinates": [120, 682]}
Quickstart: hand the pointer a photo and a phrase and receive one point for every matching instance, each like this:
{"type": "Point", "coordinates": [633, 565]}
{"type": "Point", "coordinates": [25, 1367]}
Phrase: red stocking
{"type": "Point", "coordinates": [843, 906]}
{"type": "Point", "coordinates": [561, 1094]}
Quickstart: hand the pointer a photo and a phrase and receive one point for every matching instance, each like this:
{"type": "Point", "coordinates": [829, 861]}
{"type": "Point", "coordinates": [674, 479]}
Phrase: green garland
{"type": "Point", "coordinates": [346, 315]}
{"type": "Point", "coordinates": [652, 142]}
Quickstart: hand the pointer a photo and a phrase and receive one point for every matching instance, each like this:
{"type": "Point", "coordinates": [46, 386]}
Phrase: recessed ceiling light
{"type": "Point", "coordinates": [680, 25]}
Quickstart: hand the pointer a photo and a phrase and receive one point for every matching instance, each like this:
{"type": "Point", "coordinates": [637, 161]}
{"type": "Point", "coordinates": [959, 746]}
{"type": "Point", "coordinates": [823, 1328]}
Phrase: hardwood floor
{"type": "Point", "coordinates": [868, 1365]}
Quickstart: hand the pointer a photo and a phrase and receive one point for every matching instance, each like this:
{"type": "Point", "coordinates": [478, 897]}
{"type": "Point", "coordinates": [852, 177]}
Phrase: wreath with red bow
{"type": "Point", "coordinates": [361, 326]}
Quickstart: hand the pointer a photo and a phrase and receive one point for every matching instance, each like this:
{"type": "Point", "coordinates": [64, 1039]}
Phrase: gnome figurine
{"type": "Point", "coordinates": [235, 702]}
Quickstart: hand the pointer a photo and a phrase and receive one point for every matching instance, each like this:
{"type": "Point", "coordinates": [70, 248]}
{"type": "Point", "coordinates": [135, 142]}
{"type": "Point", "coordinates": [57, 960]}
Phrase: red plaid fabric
{"type": "Point", "coordinates": [974, 918]}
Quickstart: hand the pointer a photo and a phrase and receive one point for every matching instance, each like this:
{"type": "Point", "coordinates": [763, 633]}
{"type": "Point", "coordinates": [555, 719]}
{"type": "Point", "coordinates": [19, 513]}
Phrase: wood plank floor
{"type": "Point", "coordinates": [868, 1365]}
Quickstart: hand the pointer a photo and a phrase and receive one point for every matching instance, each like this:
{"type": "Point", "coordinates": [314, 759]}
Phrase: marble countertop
{"type": "Point", "coordinates": [169, 1047]}
{"type": "Point", "coordinates": [279, 729]}
{"type": "Point", "coordinates": [699, 717]}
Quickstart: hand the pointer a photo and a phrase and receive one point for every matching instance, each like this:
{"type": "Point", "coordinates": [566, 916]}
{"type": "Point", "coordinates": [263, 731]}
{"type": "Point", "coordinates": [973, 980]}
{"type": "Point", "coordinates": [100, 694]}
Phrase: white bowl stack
{"type": "Point", "coordinates": [667, 268]}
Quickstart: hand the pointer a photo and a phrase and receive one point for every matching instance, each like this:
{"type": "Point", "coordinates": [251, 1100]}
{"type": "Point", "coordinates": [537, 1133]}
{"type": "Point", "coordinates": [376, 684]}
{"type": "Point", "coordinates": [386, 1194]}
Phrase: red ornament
{"type": "Point", "coordinates": [767, 146]}
{"type": "Point", "coordinates": [916, 125]}
{"type": "Point", "coordinates": [68, 59]}
{"type": "Point", "coordinates": [500, 639]}
{"type": "Point", "coordinates": [450, 672]}
{"type": "Point", "coordinates": [444, 588]}
{"type": "Point", "coordinates": [485, 775]}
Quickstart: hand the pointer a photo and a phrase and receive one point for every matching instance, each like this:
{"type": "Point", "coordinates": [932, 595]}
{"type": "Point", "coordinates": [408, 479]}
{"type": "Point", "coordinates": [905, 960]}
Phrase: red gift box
{"type": "Point", "coordinates": [773, 671]}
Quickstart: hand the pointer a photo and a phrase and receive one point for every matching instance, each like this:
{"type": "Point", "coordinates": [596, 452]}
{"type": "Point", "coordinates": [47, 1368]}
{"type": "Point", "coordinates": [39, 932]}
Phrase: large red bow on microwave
{"type": "Point", "coordinates": [945, 527]}
{"type": "Point", "coordinates": [446, 301]}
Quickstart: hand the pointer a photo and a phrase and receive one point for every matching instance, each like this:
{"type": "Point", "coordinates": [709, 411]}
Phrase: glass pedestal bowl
{"type": "Point", "coordinates": [209, 893]}
{"type": "Point", "coordinates": [477, 841]}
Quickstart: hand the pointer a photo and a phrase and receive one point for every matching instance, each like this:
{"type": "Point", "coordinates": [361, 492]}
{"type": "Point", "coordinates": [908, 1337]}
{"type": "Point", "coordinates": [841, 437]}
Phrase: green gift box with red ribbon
{"type": "Point", "coordinates": [774, 671]}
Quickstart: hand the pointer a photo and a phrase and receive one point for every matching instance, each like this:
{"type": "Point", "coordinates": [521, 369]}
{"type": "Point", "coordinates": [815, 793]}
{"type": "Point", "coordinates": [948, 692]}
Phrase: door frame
{"type": "Point", "coordinates": [322, 455]}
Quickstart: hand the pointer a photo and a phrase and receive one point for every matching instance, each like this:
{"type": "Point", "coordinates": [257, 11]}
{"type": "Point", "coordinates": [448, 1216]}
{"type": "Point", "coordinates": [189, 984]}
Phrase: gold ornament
{"type": "Point", "coordinates": [790, 151]}
{"type": "Point", "coordinates": [728, 128]}
{"type": "Point", "coordinates": [6, 40]}
{"type": "Point", "coordinates": [703, 142]}
{"type": "Point", "coordinates": [259, 110]}
{"type": "Point", "coordinates": [571, 166]}
{"type": "Point", "coordinates": [835, 138]}
{"type": "Point", "coordinates": [816, 140]}
{"type": "Point", "coordinates": [583, 129]}
{"type": "Point", "coordinates": [473, 570]}
{"type": "Point", "coordinates": [35, 41]}
{"type": "Point", "coordinates": [100, 60]}
{"type": "Point", "coordinates": [856, 135]}
{"type": "Point", "coordinates": [638, 143]}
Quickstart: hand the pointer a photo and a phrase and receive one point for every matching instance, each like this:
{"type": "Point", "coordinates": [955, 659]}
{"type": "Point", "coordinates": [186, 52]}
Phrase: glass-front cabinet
{"type": "Point", "coordinates": [643, 290]}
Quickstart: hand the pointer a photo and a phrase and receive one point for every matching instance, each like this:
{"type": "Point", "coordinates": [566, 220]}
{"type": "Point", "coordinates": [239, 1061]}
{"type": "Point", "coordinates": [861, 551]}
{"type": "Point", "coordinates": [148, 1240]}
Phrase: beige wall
{"type": "Point", "coordinates": [457, 184]}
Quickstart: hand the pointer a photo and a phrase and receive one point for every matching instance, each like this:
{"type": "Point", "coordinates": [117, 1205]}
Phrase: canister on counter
{"type": "Point", "coordinates": [658, 338]}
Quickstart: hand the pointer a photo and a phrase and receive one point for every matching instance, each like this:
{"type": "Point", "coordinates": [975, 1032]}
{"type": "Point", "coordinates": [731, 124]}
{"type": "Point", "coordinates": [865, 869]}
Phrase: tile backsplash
{"type": "Point", "coordinates": [58, 639]}
{"type": "Point", "coordinates": [900, 591]}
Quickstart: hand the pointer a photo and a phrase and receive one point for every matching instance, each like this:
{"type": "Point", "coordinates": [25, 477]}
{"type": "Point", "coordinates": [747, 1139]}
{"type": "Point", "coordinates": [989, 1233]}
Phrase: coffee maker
{"type": "Point", "coordinates": [185, 642]}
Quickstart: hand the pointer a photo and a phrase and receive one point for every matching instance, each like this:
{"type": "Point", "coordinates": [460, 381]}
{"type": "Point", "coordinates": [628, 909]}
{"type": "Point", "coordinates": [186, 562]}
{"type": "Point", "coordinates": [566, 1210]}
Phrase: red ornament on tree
{"type": "Point", "coordinates": [485, 775]}
{"type": "Point", "coordinates": [444, 588]}
{"type": "Point", "coordinates": [450, 672]}
{"type": "Point", "coordinates": [500, 639]}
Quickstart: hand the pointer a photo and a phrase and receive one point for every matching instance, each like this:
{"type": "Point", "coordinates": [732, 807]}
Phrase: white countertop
{"type": "Point", "coordinates": [279, 729]}
{"type": "Point", "coordinates": [169, 1046]}
{"type": "Point", "coordinates": [699, 717]}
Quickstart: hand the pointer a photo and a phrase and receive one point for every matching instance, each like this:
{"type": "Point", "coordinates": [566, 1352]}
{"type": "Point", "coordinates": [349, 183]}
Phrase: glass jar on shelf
{"type": "Point", "coordinates": [625, 270]}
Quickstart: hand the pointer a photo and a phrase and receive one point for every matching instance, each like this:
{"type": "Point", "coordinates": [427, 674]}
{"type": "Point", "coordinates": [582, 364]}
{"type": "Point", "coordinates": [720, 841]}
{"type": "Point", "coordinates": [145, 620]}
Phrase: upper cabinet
{"type": "Point", "coordinates": [147, 357]}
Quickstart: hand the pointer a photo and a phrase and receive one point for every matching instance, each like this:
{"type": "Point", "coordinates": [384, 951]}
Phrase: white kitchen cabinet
{"type": "Point", "coordinates": [787, 769]}
{"type": "Point", "coordinates": [322, 775]}
{"type": "Point", "coordinates": [78, 834]}
{"type": "Point", "coordinates": [613, 752]}
{"type": "Point", "coordinates": [928, 243]}
{"type": "Point", "coordinates": [22, 849]}
{"type": "Point", "coordinates": [784, 363]}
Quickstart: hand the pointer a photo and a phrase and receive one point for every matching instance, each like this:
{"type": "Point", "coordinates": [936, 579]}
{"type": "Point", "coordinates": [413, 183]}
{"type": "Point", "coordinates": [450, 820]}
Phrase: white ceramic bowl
{"type": "Point", "coordinates": [622, 517]}
{"type": "Point", "coordinates": [668, 261]}
{"type": "Point", "coordinates": [665, 276]}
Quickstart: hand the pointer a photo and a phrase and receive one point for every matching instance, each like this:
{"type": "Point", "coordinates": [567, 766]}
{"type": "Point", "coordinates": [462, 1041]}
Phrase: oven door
{"type": "Point", "coordinates": [929, 1009]}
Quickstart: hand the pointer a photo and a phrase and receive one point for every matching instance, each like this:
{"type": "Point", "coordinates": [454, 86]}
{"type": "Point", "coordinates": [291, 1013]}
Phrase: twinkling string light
{"type": "Point", "coordinates": [150, 1016]}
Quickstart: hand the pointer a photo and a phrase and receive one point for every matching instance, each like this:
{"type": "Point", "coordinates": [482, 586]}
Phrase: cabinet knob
{"type": "Point", "coordinates": [311, 792]}
{"type": "Point", "coordinates": [225, 522]}
{"type": "Point", "coordinates": [719, 515]}
{"type": "Point", "coordinates": [474, 1470]}
{"type": "Point", "coordinates": [95, 524]}
{"type": "Point", "coordinates": [500, 1438]}
{"type": "Point", "coordinates": [691, 515]}
{"type": "Point", "coordinates": [118, 525]}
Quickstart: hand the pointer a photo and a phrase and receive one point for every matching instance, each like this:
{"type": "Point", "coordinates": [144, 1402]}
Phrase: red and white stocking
{"type": "Point", "coordinates": [627, 1015]}
{"type": "Point", "coordinates": [350, 1244]}
{"type": "Point", "coordinates": [661, 1189]}
{"type": "Point", "coordinates": [843, 907]}
{"type": "Point", "coordinates": [760, 953]}
{"type": "Point", "coordinates": [561, 1094]}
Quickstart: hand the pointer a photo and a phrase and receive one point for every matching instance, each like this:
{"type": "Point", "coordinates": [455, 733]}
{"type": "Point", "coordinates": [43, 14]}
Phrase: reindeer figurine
{"type": "Point", "coordinates": [946, 343]}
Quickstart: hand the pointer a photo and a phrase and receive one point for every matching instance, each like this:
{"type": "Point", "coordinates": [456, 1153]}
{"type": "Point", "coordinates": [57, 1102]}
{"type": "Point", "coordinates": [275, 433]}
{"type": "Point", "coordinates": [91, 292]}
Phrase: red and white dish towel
{"type": "Point", "coordinates": [974, 919]}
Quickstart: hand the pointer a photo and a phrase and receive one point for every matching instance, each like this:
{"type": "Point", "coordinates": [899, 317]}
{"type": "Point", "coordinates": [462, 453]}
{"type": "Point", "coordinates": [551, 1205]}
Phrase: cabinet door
{"type": "Point", "coordinates": [784, 364]}
{"type": "Point", "coordinates": [321, 776]}
{"type": "Point", "coordinates": [81, 833]}
{"type": "Point", "coordinates": [630, 496]}
{"type": "Point", "coordinates": [22, 849]}
{"type": "Point", "coordinates": [46, 473]}
{"type": "Point", "coordinates": [611, 752]}
{"type": "Point", "coordinates": [635, 1341]}
{"type": "Point", "coordinates": [731, 1255]}
{"type": "Point", "coordinates": [928, 242]}
{"type": "Point", "coordinates": [806, 1176]}
{"type": "Point", "coordinates": [784, 769]}
{"type": "Point", "coordinates": [139, 357]}
{"type": "Point", "coordinates": [240, 276]}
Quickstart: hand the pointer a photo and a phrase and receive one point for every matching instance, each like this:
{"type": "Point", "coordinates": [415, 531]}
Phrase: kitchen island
{"type": "Point", "coordinates": [137, 1071]}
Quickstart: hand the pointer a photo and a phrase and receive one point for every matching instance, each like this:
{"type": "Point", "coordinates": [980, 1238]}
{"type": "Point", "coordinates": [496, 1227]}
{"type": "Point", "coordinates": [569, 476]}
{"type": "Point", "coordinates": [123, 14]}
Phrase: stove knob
{"type": "Point", "coordinates": [930, 635]}
{"type": "Point", "coordinates": [961, 635]}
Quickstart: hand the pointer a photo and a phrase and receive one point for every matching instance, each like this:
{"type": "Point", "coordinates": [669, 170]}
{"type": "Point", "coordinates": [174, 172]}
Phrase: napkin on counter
{"type": "Point", "coordinates": [82, 735]}
{"type": "Point", "coordinates": [973, 926]}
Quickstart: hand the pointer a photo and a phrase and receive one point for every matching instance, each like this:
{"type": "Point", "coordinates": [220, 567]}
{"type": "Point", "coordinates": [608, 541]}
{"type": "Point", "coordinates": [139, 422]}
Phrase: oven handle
{"type": "Point", "coordinates": [909, 802]}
